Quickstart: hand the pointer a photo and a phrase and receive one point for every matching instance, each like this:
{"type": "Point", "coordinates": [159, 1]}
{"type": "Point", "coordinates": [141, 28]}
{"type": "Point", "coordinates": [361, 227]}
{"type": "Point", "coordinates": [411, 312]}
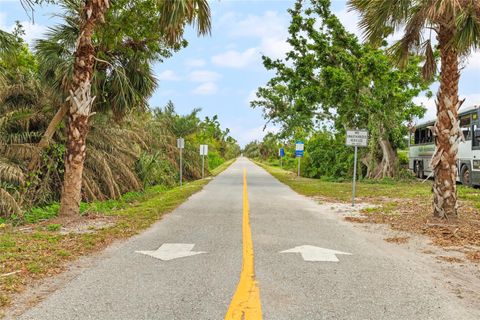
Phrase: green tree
{"type": "Point", "coordinates": [329, 76]}
{"type": "Point", "coordinates": [457, 27]}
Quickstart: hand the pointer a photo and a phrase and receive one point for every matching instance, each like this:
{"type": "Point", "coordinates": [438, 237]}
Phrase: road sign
{"type": "Point", "coordinates": [281, 154]}
{"type": "Point", "coordinates": [204, 149]}
{"type": "Point", "coordinates": [312, 253]}
{"type": "Point", "coordinates": [170, 251]}
{"type": "Point", "coordinates": [299, 148]}
{"type": "Point", "coordinates": [357, 138]}
{"type": "Point", "coordinates": [203, 153]}
{"type": "Point", "coordinates": [180, 143]}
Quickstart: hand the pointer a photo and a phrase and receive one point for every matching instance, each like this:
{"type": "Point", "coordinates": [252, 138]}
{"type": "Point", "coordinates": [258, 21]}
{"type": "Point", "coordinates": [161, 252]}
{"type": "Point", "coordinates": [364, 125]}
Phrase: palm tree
{"type": "Point", "coordinates": [173, 16]}
{"type": "Point", "coordinates": [457, 28]}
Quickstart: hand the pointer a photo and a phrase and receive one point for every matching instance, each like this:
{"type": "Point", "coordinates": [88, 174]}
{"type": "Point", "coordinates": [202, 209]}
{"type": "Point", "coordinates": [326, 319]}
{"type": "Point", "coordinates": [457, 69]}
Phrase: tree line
{"type": "Point", "coordinates": [75, 123]}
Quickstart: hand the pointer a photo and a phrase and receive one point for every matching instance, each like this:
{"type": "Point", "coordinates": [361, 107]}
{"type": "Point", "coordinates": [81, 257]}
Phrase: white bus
{"type": "Point", "coordinates": [422, 147]}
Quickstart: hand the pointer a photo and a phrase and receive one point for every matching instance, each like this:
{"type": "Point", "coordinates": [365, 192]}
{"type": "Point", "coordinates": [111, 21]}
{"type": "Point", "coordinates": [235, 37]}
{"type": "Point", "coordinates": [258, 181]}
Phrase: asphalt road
{"type": "Point", "coordinates": [374, 282]}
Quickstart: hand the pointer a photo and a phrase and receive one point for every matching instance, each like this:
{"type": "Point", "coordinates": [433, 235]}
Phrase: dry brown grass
{"type": "Point", "coordinates": [397, 240]}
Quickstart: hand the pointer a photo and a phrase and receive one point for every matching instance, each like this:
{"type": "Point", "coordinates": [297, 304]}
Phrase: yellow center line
{"type": "Point", "coordinates": [245, 304]}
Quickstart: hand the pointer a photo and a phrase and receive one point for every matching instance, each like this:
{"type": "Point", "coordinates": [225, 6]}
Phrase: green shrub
{"type": "Point", "coordinates": [42, 213]}
{"type": "Point", "coordinates": [327, 156]}
{"type": "Point", "coordinates": [214, 160]}
{"type": "Point", "coordinates": [152, 169]}
{"type": "Point", "coordinates": [403, 158]}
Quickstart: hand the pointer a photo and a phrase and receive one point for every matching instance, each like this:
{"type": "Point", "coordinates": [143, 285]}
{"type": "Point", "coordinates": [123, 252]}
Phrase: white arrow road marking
{"type": "Point", "coordinates": [312, 253]}
{"type": "Point", "coordinates": [170, 251]}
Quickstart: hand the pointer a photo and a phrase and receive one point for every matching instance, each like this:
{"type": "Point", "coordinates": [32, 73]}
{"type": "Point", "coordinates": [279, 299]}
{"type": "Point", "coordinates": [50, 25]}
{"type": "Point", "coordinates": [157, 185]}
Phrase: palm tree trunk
{"type": "Point", "coordinates": [80, 107]}
{"type": "Point", "coordinates": [444, 160]}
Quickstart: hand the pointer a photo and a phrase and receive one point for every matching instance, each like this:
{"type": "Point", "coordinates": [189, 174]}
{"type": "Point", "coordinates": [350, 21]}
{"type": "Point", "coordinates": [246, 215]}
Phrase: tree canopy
{"type": "Point", "coordinates": [329, 77]}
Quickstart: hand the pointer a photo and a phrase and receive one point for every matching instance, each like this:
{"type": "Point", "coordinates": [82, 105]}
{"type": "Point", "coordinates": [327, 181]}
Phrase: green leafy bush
{"type": "Point", "coordinates": [154, 170]}
{"type": "Point", "coordinates": [327, 156]}
{"type": "Point", "coordinates": [214, 160]}
{"type": "Point", "coordinates": [42, 213]}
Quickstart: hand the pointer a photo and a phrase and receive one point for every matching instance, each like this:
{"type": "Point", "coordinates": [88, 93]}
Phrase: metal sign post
{"type": "Point", "coordinates": [203, 153]}
{"type": "Point", "coordinates": [356, 138]}
{"type": "Point", "coordinates": [354, 176]}
{"type": "Point", "coordinates": [299, 149]}
{"type": "Point", "coordinates": [180, 146]}
{"type": "Point", "coordinates": [281, 154]}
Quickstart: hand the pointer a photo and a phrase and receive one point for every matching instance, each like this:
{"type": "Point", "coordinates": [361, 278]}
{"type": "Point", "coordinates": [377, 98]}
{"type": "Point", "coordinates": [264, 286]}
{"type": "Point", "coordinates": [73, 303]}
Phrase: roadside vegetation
{"type": "Point", "coordinates": [130, 145]}
{"type": "Point", "coordinates": [84, 158]}
{"type": "Point", "coordinates": [401, 204]}
{"type": "Point", "coordinates": [331, 81]}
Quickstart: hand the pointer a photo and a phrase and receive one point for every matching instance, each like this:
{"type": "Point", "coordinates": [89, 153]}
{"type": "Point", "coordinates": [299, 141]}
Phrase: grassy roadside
{"type": "Point", "coordinates": [39, 250]}
{"type": "Point", "coordinates": [404, 205]}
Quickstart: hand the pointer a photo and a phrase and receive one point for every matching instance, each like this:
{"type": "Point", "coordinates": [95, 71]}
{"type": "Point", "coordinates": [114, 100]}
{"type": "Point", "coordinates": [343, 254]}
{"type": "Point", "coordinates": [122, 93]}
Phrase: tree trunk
{"type": "Point", "coordinates": [80, 107]}
{"type": "Point", "coordinates": [446, 129]}
{"type": "Point", "coordinates": [47, 136]}
{"type": "Point", "coordinates": [388, 166]}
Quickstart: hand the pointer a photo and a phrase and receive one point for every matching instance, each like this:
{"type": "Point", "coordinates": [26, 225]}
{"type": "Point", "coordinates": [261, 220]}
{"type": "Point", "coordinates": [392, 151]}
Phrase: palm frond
{"type": "Point", "coordinates": [8, 204]}
{"type": "Point", "coordinates": [11, 173]}
{"type": "Point", "coordinates": [429, 68]}
{"type": "Point", "coordinates": [175, 14]}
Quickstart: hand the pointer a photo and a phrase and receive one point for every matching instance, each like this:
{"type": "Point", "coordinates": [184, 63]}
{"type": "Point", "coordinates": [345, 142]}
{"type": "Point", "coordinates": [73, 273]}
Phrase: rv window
{"type": "Point", "coordinates": [417, 137]}
{"type": "Point", "coordinates": [465, 126]}
{"type": "Point", "coordinates": [465, 121]}
{"type": "Point", "coordinates": [429, 138]}
{"type": "Point", "coordinates": [423, 135]}
{"type": "Point", "coordinates": [476, 136]}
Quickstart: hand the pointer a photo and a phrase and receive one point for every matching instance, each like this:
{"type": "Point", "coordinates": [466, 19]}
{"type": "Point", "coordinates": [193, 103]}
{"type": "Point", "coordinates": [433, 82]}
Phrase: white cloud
{"type": "Point", "coordinates": [267, 25]}
{"type": "Point", "coordinates": [195, 63]}
{"type": "Point", "coordinates": [270, 28]}
{"type": "Point", "coordinates": [168, 75]}
{"type": "Point", "coordinates": [204, 76]}
{"type": "Point", "coordinates": [206, 89]}
{"type": "Point", "coordinates": [275, 47]}
{"type": "Point", "coordinates": [473, 61]}
{"type": "Point", "coordinates": [246, 135]}
{"type": "Point", "coordinates": [33, 31]}
{"type": "Point", "coordinates": [236, 59]}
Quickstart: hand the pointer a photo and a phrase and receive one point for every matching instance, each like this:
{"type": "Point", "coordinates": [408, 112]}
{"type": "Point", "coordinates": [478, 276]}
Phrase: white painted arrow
{"type": "Point", "coordinates": [312, 253]}
{"type": "Point", "coordinates": [170, 251]}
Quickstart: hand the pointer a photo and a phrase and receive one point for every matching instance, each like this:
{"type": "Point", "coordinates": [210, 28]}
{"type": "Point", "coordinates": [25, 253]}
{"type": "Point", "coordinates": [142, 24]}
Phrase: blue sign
{"type": "Point", "coordinates": [299, 146]}
{"type": "Point", "coordinates": [281, 152]}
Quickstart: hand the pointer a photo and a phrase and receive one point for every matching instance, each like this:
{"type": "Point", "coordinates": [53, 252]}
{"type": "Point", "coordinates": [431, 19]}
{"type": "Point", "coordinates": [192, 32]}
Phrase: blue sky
{"type": "Point", "coordinates": [220, 73]}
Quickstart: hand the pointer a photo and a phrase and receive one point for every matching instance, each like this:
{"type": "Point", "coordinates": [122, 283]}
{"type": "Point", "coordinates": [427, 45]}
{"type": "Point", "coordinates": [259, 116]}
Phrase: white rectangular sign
{"type": "Point", "coordinates": [357, 138]}
{"type": "Point", "coordinates": [180, 143]}
{"type": "Point", "coordinates": [299, 146]}
{"type": "Point", "coordinates": [204, 149]}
